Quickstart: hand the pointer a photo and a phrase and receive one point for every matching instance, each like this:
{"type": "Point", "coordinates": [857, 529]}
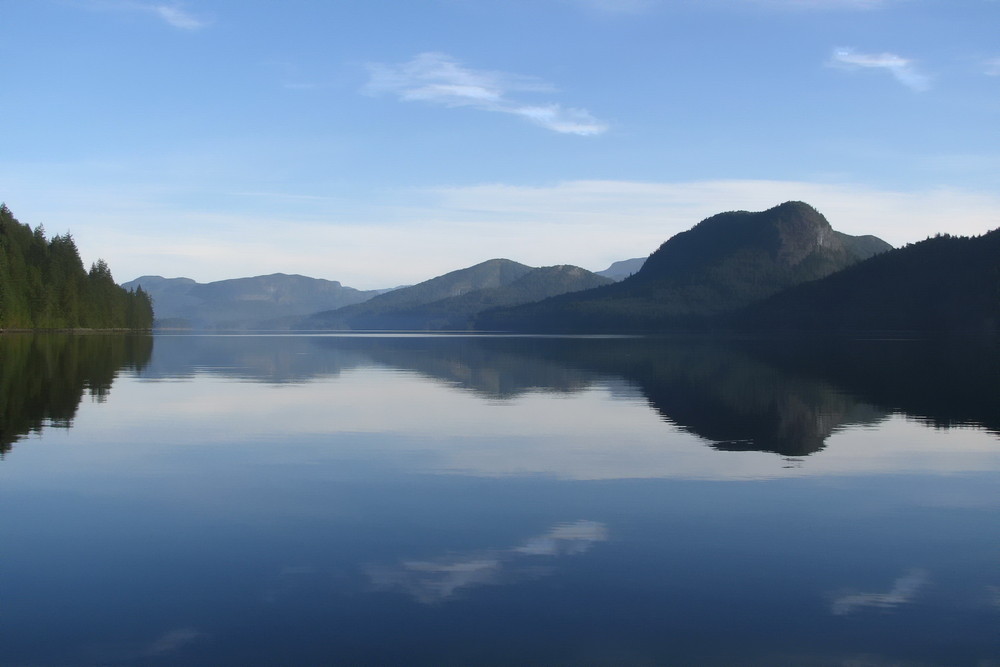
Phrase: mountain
{"type": "Point", "coordinates": [457, 312]}
{"type": "Point", "coordinates": [943, 284]}
{"type": "Point", "coordinates": [242, 303]}
{"type": "Point", "coordinates": [378, 312]}
{"type": "Point", "coordinates": [452, 300]}
{"type": "Point", "coordinates": [723, 263]}
{"type": "Point", "coordinates": [623, 269]}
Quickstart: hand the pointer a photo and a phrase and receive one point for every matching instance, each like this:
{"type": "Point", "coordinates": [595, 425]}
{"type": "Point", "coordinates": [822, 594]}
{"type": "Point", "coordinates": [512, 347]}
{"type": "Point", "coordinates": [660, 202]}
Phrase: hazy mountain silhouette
{"type": "Point", "coordinates": [623, 269]}
{"type": "Point", "coordinates": [723, 263]}
{"type": "Point", "coordinates": [450, 301]}
{"type": "Point", "coordinates": [242, 303]}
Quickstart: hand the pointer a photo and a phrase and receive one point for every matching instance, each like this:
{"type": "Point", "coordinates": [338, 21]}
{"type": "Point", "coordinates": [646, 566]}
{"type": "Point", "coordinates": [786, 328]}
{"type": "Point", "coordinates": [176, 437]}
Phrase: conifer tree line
{"type": "Point", "coordinates": [44, 285]}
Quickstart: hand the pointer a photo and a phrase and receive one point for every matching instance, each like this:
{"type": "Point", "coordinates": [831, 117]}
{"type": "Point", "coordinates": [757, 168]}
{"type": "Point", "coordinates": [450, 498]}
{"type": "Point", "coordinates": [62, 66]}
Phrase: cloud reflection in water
{"type": "Point", "coordinates": [438, 580]}
{"type": "Point", "coordinates": [903, 591]}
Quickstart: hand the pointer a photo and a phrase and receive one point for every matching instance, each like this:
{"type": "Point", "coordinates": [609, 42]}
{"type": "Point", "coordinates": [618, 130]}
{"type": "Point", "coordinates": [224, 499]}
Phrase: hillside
{"type": "Point", "coordinates": [242, 303]}
{"type": "Point", "coordinates": [457, 312]}
{"type": "Point", "coordinates": [378, 312]}
{"type": "Point", "coordinates": [452, 300]}
{"type": "Point", "coordinates": [43, 285]}
{"type": "Point", "coordinates": [723, 263]}
{"type": "Point", "coordinates": [942, 284]}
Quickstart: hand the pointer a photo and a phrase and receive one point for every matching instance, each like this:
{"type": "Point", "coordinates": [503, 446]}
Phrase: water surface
{"type": "Point", "coordinates": [261, 500]}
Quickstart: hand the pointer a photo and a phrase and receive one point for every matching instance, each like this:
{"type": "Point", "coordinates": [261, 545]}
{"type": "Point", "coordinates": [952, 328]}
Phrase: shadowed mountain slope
{"type": "Point", "coordinates": [942, 284]}
{"type": "Point", "coordinates": [723, 263]}
{"type": "Point", "coordinates": [450, 301]}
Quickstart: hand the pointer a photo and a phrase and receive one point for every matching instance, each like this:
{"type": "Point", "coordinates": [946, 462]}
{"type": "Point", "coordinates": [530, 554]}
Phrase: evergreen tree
{"type": "Point", "coordinates": [43, 285]}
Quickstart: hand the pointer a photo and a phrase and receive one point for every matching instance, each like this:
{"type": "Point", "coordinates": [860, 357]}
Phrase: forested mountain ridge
{"type": "Point", "coordinates": [791, 241]}
{"type": "Point", "coordinates": [369, 315]}
{"type": "Point", "coordinates": [942, 284]}
{"type": "Point", "coordinates": [452, 300]}
{"type": "Point", "coordinates": [43, 285]}
{"type": "Point", "coordinates": [723, 263]}
{"type": "Point", "coordinates": [242, 303]}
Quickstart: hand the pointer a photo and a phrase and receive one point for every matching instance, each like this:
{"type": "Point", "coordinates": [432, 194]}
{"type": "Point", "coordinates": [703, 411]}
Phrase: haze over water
{"type": "Point", "coordinates": [322, 499]}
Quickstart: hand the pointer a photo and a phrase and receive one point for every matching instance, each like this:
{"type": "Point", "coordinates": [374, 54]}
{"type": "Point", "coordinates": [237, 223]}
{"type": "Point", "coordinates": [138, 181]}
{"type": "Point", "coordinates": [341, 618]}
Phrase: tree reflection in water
{"type": "Point", "coordinates": [43, 377]}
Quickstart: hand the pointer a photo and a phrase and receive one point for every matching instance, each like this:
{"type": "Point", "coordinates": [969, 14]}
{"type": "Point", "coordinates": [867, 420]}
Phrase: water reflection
{"type": "Point", "coordinates": [738, 402]}
{"type": "Point", "coordinates": [903, 591]}
{"type": "Point", "coordinates": [173, 641]}
{"type": "Point", "coordinates": [43, 377]}
{"type": "Point", "coordinates": [782, 397]}
{"type": "Point", "coordinates": [943, 383]}
{"type": "Point", "coordinates": [440, 579]}
{"type": "Point", "coordinates": [452, 500]}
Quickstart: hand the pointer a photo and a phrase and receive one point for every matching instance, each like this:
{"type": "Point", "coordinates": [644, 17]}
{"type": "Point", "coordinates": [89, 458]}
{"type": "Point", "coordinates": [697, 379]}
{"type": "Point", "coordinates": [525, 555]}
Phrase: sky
{"type": "Point", "coordinates": [384, 142]}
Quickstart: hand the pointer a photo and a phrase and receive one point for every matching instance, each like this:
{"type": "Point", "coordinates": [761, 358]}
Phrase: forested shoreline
{"type": "Point", "coordinates": [44, 285]}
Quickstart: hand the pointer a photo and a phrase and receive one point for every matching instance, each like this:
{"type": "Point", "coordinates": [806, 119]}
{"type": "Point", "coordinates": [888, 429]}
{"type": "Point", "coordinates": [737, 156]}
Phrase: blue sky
{"type": "Point", "coordinates": [382, 142]}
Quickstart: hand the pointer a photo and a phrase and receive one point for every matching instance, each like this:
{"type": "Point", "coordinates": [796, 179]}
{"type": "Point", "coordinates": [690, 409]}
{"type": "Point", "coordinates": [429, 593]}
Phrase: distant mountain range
{"type": "Point", "coordinates": [780, 270]}
{"type": "Point", "coordinates": [281, 301]}
{"type": "Point", "coordinates": [242, 303]}
{"type": "Point", "coordinates": [452, 300]}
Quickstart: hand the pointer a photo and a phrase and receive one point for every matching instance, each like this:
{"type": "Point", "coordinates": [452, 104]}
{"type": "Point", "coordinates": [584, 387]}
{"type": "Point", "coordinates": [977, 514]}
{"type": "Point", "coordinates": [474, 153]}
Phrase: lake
{"type": "Point", "coordinates": [467, 500]}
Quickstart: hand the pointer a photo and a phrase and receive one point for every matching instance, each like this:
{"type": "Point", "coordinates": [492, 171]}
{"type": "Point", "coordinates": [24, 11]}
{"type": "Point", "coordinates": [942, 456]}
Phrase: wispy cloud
{"type": "Point", "coordinates": [436, 78]}
{"type": "Point", "coordinates": [991, 67]}
{"type": "Point", "coordinates": [173, 14]}
{"type": "Point", "coordinates": [141, 223]}
{"type": "Point", "coordinates": [901, 68]}
{"type": "Point", "coordinates": [177, 17]}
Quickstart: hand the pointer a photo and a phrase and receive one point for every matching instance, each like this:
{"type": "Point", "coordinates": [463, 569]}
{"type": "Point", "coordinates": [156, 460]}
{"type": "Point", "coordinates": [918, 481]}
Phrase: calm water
{"type": "Point", "coordinates": [406, 500]}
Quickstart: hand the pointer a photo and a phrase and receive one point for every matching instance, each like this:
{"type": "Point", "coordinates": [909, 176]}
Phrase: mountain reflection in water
{"type": "Point", "coordinates": [782, 397]}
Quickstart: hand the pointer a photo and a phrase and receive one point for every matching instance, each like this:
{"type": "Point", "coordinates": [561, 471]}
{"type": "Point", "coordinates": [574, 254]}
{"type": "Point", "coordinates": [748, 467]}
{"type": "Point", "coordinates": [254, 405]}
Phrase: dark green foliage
{"type": "Point", "coordinates": [943, 284]}
{"type": "Point", "coordinates": [43, 285]}
{"type": "Point", "coordinates": [725, 262]}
